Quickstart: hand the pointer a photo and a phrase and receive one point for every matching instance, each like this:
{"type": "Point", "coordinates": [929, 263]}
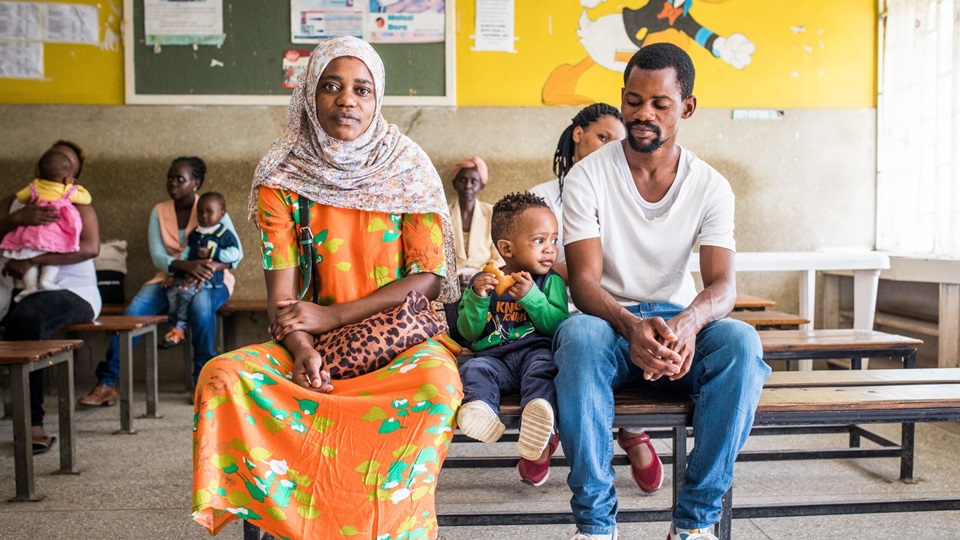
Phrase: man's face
{"type": "Point", "coordinates": [652, 108]}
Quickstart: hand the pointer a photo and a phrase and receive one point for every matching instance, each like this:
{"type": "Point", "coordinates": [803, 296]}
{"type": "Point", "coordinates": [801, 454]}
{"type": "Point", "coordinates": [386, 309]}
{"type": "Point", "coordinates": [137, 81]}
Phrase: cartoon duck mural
{"type": "Point", "coordinates": [611, 40]}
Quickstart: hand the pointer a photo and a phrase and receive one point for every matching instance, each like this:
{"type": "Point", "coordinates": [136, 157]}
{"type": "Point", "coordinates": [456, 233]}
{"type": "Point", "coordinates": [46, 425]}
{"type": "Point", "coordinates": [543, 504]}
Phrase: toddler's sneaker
{"type": "Point", "coordinates": [536, 428]}
{"type": "Point", "coordinates": [478, 421]}
{"type": "Point", "coordinates": [584, 536]}
{"type": "Point", "coordinates": [534, 473]}
{"type": "Point", "coordinates": [690, 534]}
{"type": "Point", "coordinates": [173, 338]}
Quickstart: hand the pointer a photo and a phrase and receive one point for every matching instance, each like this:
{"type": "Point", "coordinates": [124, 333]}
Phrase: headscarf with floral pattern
{"type": "Point", "coordinates": [381, 171]}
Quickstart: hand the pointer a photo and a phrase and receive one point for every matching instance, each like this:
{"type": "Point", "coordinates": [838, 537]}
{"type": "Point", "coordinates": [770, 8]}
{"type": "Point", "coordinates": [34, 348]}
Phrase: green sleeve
{"type": "Point", "coordinates": [472, 316]}
{"type": "Point", "coordinates": [547, 308]}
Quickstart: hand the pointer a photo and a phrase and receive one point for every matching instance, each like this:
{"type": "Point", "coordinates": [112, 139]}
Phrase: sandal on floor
{"type": "Point", "coordinates": [649, 478]}
{"type": "Point", "coordinates": [42, 446]}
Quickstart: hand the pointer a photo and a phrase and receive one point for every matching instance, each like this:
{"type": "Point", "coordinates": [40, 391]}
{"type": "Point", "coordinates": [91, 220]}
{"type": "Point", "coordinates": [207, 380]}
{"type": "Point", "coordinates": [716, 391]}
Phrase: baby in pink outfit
{"type": "Point", "coordinates": [54, 187]}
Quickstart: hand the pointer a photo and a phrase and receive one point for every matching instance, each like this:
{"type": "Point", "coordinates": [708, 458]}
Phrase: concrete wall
{"type": "Point", "coordinates": [803, 183]}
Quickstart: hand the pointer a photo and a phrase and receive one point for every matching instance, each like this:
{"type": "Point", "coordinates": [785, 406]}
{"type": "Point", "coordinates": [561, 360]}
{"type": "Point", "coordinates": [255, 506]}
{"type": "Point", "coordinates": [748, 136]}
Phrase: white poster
{"type": "Point", "coordinates": [19, 20]}
{"type": "Point", "coordinates": [405, 21]}
{"type": "Point", "coordinates": [71, 23]}
{"type": "Point", "coordinates": [183, 22]}
{"type": "Point", "coordinates": [494, 27]}
{"type": "Point", "coordinates": [21, 60]}
{"type": "Point", "coordinates": [313, 20]}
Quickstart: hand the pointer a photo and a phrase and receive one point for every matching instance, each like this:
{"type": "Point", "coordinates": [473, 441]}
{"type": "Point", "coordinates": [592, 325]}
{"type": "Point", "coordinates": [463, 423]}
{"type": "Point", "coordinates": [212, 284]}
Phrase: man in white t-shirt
{"type": "Point", "coordinates": [633, 212]}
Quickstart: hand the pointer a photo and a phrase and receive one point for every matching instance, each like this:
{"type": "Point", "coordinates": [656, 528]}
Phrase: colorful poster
{"type": "Point", "coordinates": [747, 53]}
{"type": "Point", "coordinates": [313, 20]}
{"type": "Point", "coordinates": [294, 62]}
{"type": "Point", "coordinates": [183, 22]}
{"type": "Point", "coordinates": [405, 21]}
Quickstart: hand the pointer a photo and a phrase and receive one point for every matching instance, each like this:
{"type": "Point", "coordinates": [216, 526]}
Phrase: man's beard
{"type": "Point", "coordinates": [644, 148]}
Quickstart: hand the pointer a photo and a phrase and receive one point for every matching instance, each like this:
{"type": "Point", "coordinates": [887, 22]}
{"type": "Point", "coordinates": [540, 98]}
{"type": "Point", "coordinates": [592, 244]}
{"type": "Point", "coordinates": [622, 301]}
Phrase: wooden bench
{"type": "Point", "coordinates": [127, 328]}
{"type": "Point", "coordinates": [23, 358]}
{"type": "Point", "coordinates": [788, 399]}
{"type": "Point", "coordinates": [745, 302]}
{"type": "Point", "coordinates": [769, 319]}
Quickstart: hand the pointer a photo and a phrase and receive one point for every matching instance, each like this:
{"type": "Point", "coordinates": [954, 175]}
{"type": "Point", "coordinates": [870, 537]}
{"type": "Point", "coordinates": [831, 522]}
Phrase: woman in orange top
{"type": "Point", "coordinates": [276, 442]}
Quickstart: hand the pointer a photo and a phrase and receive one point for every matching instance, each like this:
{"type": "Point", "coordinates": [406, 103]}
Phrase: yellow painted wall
{"type": "Point", "coordinates": [75, 73]}
{"type": "Point", "coordinates": [831, 63]}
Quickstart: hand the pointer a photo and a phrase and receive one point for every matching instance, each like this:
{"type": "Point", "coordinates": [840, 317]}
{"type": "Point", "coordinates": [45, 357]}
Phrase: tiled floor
{"type": "Point", "coordinates": [138, 487]}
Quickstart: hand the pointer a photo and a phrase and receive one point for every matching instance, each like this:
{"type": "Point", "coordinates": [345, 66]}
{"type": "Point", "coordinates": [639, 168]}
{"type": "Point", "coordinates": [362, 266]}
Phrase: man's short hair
{"type": "Point", "coordinates": [508, 209]}
{"type": "Point", "coordinates": [662, 56]}
{"type": "Point", "coordinates": [54, 165]}
{"type": "Point", "coordinates": [216, 196]}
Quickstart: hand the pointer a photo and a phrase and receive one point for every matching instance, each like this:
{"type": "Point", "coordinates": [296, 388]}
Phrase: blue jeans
{"type": "Point", "coordinates": [152, 300]}
{"type": "Point", "coordinates": [725, 379]}
{"type": "Point", "coordinates": [531, 371]}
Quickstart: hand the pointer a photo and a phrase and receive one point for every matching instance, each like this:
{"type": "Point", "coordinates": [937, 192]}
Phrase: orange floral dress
{"type": "Point", "coordinates": [361, 462]}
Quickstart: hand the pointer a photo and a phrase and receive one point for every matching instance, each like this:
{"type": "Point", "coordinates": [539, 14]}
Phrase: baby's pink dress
{"type": "Point", "coordinates": [60, 236]}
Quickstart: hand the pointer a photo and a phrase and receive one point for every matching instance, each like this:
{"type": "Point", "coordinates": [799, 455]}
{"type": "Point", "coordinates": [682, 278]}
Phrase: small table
{"type": "Point", "coordinates": [865, 265]}
{"type": "Point", "coordinates": [23, 358]}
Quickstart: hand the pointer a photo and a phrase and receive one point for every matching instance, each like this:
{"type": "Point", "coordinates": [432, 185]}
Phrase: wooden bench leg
{"type": "Point", "coordinates": [907, 432]}
{"type": "Point", "coordinates": [65, 401]}
{"type": "Point", "coordinates": [679, 460]}
{"type": "Point", "coordinates": [250, 531]}
{"type": "Point", "coordinates": [126, 382]}
{"type": "Point", "coordinates": [220, 342]}
{"type": "Point", "coordinates": [22, 447]}
{"type": "Point", "coordinates": [188, 362]}
{"type": "Point", "coordinates": [150, 344]}
{"type": "Point", "coordinates": [725, 526]}
{"type": "Point", "coordinates": [7, 397]}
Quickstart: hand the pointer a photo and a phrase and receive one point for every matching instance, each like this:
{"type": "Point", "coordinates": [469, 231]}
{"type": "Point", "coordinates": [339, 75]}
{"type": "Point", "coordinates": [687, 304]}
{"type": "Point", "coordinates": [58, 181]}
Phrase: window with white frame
{"type": "Point", "coordinates": [918, 115]}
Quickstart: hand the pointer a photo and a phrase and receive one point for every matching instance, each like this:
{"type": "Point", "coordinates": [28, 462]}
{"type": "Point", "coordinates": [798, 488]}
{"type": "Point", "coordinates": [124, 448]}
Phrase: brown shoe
{"type": "Point", "coordinates": [101, 396]}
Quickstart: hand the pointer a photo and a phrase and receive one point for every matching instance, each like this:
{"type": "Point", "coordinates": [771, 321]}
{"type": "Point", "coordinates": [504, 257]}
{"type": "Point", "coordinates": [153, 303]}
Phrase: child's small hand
{"type": "Point", "coordinates": [203, 253]}
{"type": "Point", "coordinates": [167, 282]}
{"type": "Point", "coordinates": [190, 283]}
{"type": "Point", "coordinates": [484, 284]}
{"type": "Point", "coordinates": [524, 281]}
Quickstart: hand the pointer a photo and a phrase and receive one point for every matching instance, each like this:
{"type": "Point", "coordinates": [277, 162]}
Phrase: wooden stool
{"type": "Point", "coordinates": [23, 358]}
{"type": "Point", "coordinates": [769, 319]}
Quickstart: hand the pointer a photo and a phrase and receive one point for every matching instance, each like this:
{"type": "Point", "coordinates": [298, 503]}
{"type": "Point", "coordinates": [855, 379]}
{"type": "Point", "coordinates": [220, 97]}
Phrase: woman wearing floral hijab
{"type": "Point", "coordinates": [276, 442]}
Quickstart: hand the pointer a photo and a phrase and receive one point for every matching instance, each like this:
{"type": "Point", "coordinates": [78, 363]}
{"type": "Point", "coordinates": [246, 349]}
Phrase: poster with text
{"type": "Point", "coordinates": [183, 22]}
{"type": "Point", "coordinates": [313, 20]}
{"type": "Point", "coordinates": [405, 21]}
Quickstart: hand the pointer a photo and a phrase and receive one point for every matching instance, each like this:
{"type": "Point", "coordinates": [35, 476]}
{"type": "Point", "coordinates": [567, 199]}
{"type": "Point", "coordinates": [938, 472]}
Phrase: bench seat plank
{"type": "Point", "coordinates": [833, 339]}
{"type": "Point", "coordinates": [768, 318]}
{"type": "Point", "coordinates": [746, 301]}
{"type": "Point", "coordinates": [860, 398]}
{"type": "Point", "coordinates": [865, 377]}
{"type": "Point", "coordinates": [114, 323]}
{"type": "Point", "coordinates": [22, 352]}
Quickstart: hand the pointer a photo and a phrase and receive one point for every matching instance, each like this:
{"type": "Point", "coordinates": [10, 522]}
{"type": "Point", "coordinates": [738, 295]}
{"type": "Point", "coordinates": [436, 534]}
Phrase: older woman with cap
{"type": "Point", "coordinates": [276, 441]}
{"type": "Point", "coordinates": [471, 219]}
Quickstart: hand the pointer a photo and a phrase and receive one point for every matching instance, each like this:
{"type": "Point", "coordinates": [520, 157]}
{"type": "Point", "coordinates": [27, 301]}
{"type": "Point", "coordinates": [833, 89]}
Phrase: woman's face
{"type": "Point", "coordinates": [598, 133]}
{"type": "Point", "coordinates": [346, 98]}
{"type": "Point", "coordinates": [180, 180]}
{"type": "Point", "coordinates": [468, 183]}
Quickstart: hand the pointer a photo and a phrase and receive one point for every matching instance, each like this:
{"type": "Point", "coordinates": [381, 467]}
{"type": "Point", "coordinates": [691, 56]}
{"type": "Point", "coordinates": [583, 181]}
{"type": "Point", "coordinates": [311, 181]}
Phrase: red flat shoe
{"type": "Point", "coordinates": [649, 478]}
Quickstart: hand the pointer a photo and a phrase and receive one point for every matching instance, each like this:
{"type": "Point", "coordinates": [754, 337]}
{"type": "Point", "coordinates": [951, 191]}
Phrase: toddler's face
{"type": "Point", "coordinates": [534, 241]}
{"type": "Point", "coordinates": [209, 212]}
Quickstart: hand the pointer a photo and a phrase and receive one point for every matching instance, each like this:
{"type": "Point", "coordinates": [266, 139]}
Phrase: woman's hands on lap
{"type": "Point", "coordinates": [296, 316]}
{"type": "Point", "coordinates": [310, 372]}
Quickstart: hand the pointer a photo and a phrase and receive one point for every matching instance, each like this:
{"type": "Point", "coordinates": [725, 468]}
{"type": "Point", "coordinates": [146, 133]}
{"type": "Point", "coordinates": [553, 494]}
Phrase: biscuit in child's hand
{"type": "Point", "coordinates": [504, 281]}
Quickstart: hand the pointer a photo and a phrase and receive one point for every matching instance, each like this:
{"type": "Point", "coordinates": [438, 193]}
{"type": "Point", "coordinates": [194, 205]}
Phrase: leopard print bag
{"type": "Point", "coordinates": [359, 348]}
